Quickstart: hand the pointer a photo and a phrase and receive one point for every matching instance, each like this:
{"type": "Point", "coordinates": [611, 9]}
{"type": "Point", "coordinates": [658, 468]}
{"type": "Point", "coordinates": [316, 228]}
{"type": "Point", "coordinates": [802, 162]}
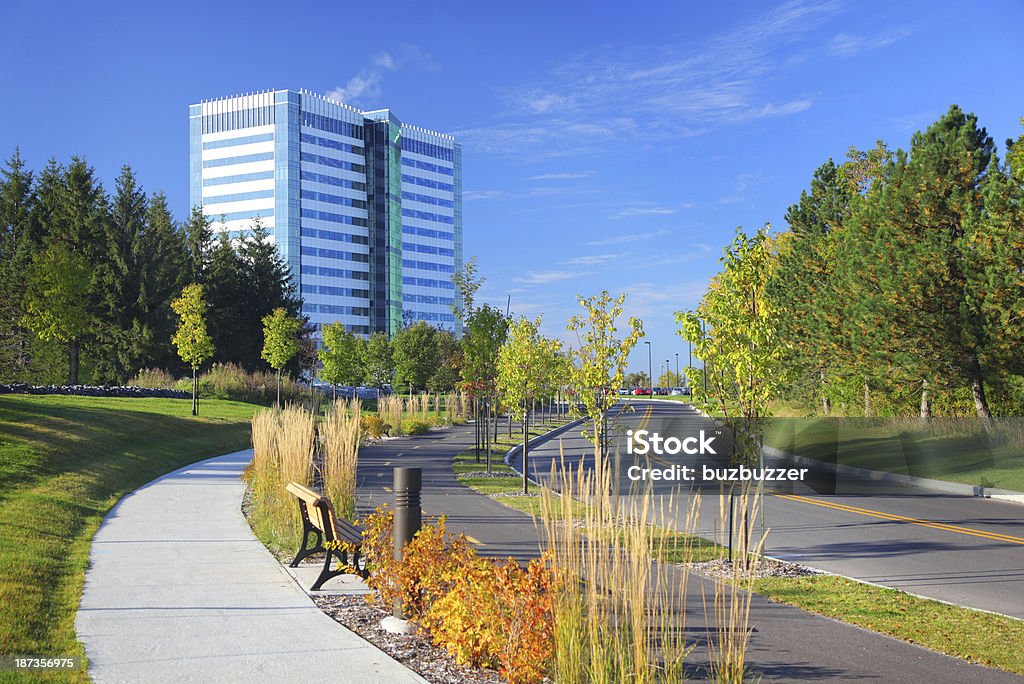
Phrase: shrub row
{"type": "Point", "coordinates": [486, 613]}
{"type": "Point", "coordinates": [94, 391]}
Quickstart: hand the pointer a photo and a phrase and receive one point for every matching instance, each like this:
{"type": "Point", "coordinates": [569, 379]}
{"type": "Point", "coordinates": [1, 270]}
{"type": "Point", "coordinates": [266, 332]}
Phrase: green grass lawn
{"type": "Point", "coordinates": [952, 449]}
{"type": "Point", "coordinates": [992, 640]}
{"type": "Point", "coordinates": [64, 462]}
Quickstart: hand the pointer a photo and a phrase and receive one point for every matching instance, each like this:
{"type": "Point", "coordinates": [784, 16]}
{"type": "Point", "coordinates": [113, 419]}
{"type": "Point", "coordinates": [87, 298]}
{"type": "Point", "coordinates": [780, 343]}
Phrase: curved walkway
{"type": "Point", "coordinates": [178, 589]}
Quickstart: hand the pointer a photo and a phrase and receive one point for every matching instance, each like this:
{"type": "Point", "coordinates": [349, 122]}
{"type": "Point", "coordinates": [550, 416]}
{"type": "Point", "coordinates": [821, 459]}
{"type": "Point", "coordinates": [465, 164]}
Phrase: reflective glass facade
{"type": "Point", "coordinates": [366, 210]}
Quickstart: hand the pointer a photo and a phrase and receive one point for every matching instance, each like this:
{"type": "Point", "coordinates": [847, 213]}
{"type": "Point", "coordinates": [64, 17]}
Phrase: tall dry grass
{"type": "Point", "coordinates": [339, 434]}
{"type": "Point", "coordinates": [729, 636]}
{"type": "Point", "coordinates": [621, 614]}
{"type": "Point", "coordinates": [282, 453]}
{"type": "Point", "coordinates": [391, 409]}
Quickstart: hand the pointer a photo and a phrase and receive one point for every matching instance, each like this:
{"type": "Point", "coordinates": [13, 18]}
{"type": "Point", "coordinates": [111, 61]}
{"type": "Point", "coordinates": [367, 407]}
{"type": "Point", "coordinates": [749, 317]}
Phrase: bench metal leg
{"type": "Point", "coordinates": [305, 550]}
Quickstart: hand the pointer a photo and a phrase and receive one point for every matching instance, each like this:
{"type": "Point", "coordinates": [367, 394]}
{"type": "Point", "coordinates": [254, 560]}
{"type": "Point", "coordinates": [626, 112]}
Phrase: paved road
{"type": "Point", "coordinates": [964, 550]}
{"type": "Point", "coordinates": [787, 644]}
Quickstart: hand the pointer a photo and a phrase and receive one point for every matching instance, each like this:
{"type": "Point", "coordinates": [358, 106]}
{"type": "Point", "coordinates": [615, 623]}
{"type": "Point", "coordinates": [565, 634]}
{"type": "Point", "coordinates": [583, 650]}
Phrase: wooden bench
{"type": "Point", "coordinates": [328, 530]}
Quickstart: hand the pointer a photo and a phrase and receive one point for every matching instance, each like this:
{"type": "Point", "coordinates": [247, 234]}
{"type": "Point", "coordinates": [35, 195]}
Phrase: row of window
{"type": "Point", "coordinates": [427, 199]}
{"type": "Point", "coordinates": [329, 272]}
{"type": "Point", "coordinates": [427, 216]}
{"type": "Point", "coordinates": [326, 123]}
{"type": "Point", "coordinates": [239, 178]}
{"type": "Point", "coordinates": [243, 140]}
{"type": "Point", "coordinates": [334, 291]}
{"type": "Point", "coordinates": [427, 183]}
{"type": "Point", "coordinates": [336, 310]}
{"type": "Point", "coordinates": [334, 254]}
{"type": "Point", "coordinates": [239, 197]}
{"type": "Point", "coordinates": [239, 118]}
{"type": "Point", "coordinates": [333, 180]}
{"type": "Point", "coordinates": [428, 232]}
{"type": "Point", "coordinates": [427, 249]}
{"type": "Point", "coordinates": [333, 235]}
{"type": "Point", "coordinates": [427, 282]}
{"type": "Point", "coordinates": [427, 299]}
{"type": "Point", "coordinates": [240, 215]}
{"type": "Point", "coordinates": [428, 149]}
{"type": "Point", "coordinates": [333, 144]}
{"type": "Point", "coordinates": [242, 159]}
{"type": "Point", "coordinates": [432, 317]}
{"type": "Point", "coordinates": [427, 166]}
{"type": "Point", "coordinates": [428, 266]}
{"type": "Point", "coordinates": [332, 199]}
{"type": "Point", "coordinates": [334, 218]}
{"type": "Point", "coordinates": [329, 161]}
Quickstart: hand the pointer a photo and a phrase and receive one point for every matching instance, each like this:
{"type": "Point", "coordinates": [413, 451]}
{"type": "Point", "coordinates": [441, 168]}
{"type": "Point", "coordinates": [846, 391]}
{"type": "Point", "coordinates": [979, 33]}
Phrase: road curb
{"type": "Point", "coordinates": [539, 439]}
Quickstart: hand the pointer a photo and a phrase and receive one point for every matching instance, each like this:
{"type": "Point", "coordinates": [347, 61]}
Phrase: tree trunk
{"type": "Point", "coordinates": [826, 403]}
{"type": "Point", "coordinates": [477, 432]}
{"type": "Point", "coordinates": [195, 391]}
{"type": "Point", "coordinates": [279, 389]}
{"type": "Point", "coordinates": [526, 455]}
{"type": "Point", "coordinates": [867, 399]}
{"type": "Point", "coordinates": [487, 434]}
{"type": "Point", "coordinates": [926, 401]}
{"type": "Point", "coordinates": [73, 353]}
{"type": "Point", "coordinates": [980, 401]}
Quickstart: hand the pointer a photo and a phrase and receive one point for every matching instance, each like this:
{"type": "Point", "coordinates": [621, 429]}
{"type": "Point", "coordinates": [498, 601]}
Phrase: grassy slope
{"type": "Point", "coordinates": [64, 462]}
{"type": "Point", "coordinates": [950, 449]}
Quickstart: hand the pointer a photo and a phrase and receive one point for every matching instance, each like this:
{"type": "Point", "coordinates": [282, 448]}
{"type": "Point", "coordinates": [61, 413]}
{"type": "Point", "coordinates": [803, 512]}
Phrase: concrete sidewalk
{"type": "Point", "coordinates": [178, 589]}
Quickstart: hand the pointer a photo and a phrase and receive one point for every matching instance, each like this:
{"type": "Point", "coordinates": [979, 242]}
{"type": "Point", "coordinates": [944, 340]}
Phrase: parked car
{"type": "Point", "coordinates": [641, 392]}
{"type": "Point", "coordinates": [624, 392]}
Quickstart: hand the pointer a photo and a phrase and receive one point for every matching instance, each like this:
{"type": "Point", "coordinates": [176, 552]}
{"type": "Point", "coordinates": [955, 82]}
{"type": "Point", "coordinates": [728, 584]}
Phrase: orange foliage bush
{"type": "Point", "coordinates": [485, 613]}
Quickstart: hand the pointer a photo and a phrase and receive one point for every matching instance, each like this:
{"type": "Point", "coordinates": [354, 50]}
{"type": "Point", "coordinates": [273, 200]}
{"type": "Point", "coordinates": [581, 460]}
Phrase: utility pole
{"type": "Point", "coordinates": [650, 368]}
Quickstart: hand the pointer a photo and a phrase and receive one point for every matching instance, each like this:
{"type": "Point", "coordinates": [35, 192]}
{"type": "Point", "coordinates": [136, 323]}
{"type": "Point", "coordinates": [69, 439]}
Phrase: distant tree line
{"type": "Point", "coordinates": [897, 287]}
{"type": "Point", "coordinates": [87, 278]}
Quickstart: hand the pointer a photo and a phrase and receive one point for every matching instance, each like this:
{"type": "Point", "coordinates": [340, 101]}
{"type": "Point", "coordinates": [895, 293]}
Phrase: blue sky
{"type": "Point", "coordinates": [605, 147]}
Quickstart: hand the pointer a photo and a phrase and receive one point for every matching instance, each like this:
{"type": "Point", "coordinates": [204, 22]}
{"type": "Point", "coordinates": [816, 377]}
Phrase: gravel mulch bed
{"type": "Point", "coordinates": [415, 651]}
{"type": "Point", "coordinates": [767, 567]}
{"type": "Point", "coordinates": [516, 493]}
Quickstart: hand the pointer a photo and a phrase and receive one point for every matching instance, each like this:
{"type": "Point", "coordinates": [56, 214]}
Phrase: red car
{"type": "Point", "coordinates": [641, 392]}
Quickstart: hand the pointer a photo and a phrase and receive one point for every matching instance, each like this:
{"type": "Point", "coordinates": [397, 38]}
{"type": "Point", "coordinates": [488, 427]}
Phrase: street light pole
{"type": "Point", "coordinates": [650, 367]}
{"type": "Point", "coordinates": [678, 379]}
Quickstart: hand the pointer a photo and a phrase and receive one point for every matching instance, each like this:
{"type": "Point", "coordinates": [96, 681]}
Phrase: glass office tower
{"type": "Point", "coordinates": [365, 210]}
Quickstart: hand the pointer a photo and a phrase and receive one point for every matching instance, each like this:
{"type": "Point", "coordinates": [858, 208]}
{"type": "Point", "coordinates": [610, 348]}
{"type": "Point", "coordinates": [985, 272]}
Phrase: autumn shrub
{"type": "Point", "coordinates": [485, 613]}
{"type": "Point", "coordinates": [374, 427]}
{"type": "Point", "coordinates": [417, 427]}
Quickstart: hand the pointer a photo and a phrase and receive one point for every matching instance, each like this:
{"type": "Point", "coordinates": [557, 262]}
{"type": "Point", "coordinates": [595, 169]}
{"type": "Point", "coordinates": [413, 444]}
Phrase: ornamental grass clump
{"type": "Point", "coordinates": [620, 614]}
{"type": "Point", "coordinates": [282, 453]}
{"type": "Point", "coordinates": [340, 433]}
{"type": "Point", "coordinates": [390, 410]}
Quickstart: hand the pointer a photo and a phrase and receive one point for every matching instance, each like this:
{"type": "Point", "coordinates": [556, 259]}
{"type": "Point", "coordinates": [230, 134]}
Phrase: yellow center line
{"type": "Point", "coordinates": [995, 536]}
{"type": "Point", "coordinates": [474, 540]}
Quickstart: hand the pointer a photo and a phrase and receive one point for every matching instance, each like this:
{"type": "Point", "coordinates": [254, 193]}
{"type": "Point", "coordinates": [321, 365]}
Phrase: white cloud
{"type": "Point", "coordinates": [629, 237]}
{"type": "Point", "coordinates": [846, 45]}
{"type": "Point", "coordinates": [365, 87]}
{"type": "Point", "coordinates": [669, 90]}
{"type": "Point", "coordinates": [545, 277]}
{"type": "Point", "coordinates": [568, 175]}
{"type": "Point", "coordinates": [630, 212]}
{"type": "Point", "coordinates": [595, 259]}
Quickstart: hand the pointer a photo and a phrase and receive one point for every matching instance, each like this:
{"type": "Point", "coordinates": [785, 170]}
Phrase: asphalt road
{"type": "Point", "coordinates": [786, 644]}
{"type": "Point", "coordinates": [964, 550]}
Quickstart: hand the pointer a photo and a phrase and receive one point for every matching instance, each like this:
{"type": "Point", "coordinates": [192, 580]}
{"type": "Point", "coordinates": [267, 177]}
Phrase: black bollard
{"type": "Point", "coordinates": [407, 486]}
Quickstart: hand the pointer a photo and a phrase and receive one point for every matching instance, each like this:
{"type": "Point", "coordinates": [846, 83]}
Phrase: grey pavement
{"type": "Point", "coordinates": [179, 590]}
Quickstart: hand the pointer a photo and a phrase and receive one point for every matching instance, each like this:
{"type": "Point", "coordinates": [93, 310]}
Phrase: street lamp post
{"type": "Point", "coordinates": [650, 367]}
{"type": "Point", "coordinates": [678, 379]}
